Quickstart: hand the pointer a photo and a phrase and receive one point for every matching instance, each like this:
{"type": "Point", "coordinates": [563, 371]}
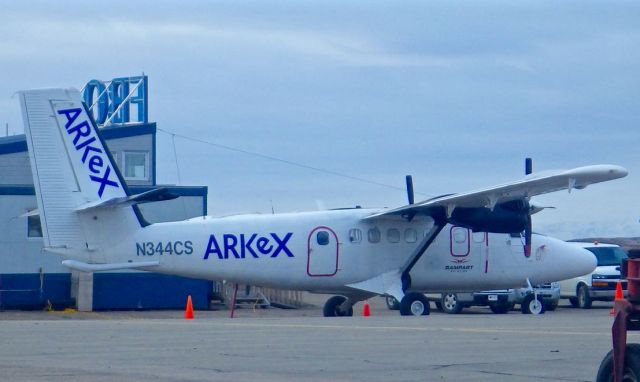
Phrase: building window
{"type": "Point", "coordinates": [373, 235]}
{"type": "Point", "coordinates": [136, 165]}
{"type": "Point", "coordinates": [393, 235]}
{"type": "Point", "coordinates": [34, 228]}
{"type": "Point", "coordinates": [355, 235]}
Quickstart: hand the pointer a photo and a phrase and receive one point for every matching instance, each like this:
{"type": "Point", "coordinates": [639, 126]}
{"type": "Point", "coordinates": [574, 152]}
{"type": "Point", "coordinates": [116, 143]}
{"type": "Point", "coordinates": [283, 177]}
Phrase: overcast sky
{"type": "Point", "coordinates": [455, 94]}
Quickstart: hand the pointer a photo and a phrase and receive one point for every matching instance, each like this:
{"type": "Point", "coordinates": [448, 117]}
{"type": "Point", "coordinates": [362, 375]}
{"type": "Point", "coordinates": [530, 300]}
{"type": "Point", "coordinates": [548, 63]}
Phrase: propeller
{"type": "Point", "coordinates": [528, 230]}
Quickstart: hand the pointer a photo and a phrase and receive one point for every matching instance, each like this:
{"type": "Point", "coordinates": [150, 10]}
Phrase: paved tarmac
{"type": "Point", "coordinates": [299, 345]}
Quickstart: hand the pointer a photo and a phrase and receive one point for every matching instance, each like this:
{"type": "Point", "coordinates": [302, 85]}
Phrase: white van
{"type": "Point", "coordinates": [599, 285]}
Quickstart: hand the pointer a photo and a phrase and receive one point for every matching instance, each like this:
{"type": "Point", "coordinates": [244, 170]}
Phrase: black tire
{"type": "Point", "coordinates": [574, 302]}
{"type": "Point", "coordinates": [500, 307]}
{"type": "Point", "coordinates": [450, 303]}
{"type": "Point", "coordinates": [332, 307]}
{"type": "Point", "coordinates": [392, 303]}
{"type": "Point", "coordinates": [631, 365]}
{"type": "Point", "coordinates": [439, 306]}
{"type": "Point", "coordinates": [551, 306]}
{"type": "Point", "coordinates": [414, 304]}
{"type": "Point", "coordinates": [532, 306]}
{"type": "Point", "coordinates": [584, 299]}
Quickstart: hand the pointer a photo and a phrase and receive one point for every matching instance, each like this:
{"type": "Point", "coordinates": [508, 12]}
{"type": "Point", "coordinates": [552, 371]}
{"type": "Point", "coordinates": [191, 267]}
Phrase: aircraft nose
{"type": "Point", "coordinates": [562, 260]}
{"type": "Point", "coordinates": [574, 260]}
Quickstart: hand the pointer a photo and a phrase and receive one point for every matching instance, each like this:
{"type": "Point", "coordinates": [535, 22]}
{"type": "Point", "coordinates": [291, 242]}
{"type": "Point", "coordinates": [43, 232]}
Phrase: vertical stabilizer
{"type": "Point", "coordinates": [71, 168]}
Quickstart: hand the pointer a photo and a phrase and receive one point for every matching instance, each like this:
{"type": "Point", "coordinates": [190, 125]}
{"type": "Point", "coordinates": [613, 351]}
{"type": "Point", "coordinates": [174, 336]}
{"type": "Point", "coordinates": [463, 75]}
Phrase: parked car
{"type": "Point", "coordinates": [599, 285]}
{"type": "Point", "coordinates": [499, 301]}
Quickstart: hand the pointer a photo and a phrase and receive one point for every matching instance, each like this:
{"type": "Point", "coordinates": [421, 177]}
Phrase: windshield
{"type": "Point", "coordinates": [608, 255]}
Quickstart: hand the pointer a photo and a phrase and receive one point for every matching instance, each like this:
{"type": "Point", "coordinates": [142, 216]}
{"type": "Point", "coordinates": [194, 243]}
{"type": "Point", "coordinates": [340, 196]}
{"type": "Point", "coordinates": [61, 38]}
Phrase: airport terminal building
{"type": "Point", "coordinates": [32, 278]}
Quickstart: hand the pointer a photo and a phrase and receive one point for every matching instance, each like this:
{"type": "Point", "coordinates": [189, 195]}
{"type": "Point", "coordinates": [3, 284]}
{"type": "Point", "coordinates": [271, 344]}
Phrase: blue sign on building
{"type": "Point", "coordinates": [126, 97]}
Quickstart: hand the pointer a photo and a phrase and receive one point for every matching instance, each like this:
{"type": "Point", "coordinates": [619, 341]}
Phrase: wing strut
{"type": "Point", "coordinates": [418, 252]}
{"type": "Point", "coordinates": [397, 281]}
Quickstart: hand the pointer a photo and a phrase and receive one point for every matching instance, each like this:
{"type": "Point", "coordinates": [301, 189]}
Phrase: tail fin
{"type": "Point", "coordinates": [71, 168]}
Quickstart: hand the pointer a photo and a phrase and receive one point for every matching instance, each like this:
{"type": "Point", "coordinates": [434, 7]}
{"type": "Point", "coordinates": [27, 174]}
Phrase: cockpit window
{"type": "Point", "coordinates": [608, 255]}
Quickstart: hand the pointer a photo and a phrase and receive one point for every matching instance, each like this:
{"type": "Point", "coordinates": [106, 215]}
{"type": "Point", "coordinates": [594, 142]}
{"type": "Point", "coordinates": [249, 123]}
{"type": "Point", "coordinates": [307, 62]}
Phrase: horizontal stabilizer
{"type": "Point", "coordinates": [157, 195]}
{"type": "Point", "coordinates": [86, 267]}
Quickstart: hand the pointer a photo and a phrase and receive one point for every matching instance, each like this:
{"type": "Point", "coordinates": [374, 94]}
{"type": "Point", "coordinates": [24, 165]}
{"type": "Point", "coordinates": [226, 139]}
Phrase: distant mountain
{"type": "Point", "coordinates": [626, 243]}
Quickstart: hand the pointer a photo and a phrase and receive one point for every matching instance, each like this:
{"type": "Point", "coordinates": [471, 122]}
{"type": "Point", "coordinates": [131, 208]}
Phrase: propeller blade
{"type": "Point", "coordinates": [410, 196]}
{"type": "Point", "coordinates": [528, 231]}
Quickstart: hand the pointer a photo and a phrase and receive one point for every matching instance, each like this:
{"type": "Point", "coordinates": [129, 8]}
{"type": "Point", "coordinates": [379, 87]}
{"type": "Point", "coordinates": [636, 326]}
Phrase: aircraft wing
{"type": "Point", "coordinates": [531, 185]}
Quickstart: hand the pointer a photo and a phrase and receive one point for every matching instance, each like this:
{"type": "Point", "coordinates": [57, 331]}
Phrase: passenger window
{"type": "Point", "coordinates": [374, 235]}
{"type": "Point", "coordinates": [410, 235]}
{"type": "Point", "coordinates": [460, 235]}
{"type": "Point", "coordinates": [322, 237]}
{"type": "Point", "coordinates": [355, 235]}
{"type": "Point", "coordinates": [479, 237]}
{"type": "Point", "coordinates": [393, 235]}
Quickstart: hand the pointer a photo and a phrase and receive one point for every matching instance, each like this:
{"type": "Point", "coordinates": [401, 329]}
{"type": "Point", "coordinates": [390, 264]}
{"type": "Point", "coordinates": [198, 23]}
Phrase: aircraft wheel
{"type": "Point", "coordinates": [332, 307]}
{"type": "Point", "coordinates": [414, 304]}
{"type": "Point", "coordinates": [631, 365]}
{"type": "Point", "coordinates": [532, 305]}
{"type": "Point", "coordinates": [501, 307]}
{"type": "Point", "coordinates": [574, 302]}
{"type": "Point", "coordinates": [392, 303]}
{"type": "Point", "coordinates": [450, 303]}
{"type": "Point", "coordinates": [584, 300]}
{"type": "Point", "coordinates": [551, 306]}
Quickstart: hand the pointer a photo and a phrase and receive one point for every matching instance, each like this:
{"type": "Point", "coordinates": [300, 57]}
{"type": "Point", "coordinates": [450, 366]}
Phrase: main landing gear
{"type": "Point", "coordinates": [338, 306]}
{"type": "Point", "coordinates": [414, 304]}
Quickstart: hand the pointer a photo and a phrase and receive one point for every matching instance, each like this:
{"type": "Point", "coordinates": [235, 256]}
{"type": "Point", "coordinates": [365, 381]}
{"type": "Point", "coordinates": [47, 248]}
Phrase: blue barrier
{"type": "Point", "coordinates": [126, 291]}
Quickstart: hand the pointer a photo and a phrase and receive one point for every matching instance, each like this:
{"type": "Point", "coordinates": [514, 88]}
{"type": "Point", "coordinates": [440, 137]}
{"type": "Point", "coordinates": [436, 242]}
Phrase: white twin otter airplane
{"type": "Point", "coordinates": [459, 242]}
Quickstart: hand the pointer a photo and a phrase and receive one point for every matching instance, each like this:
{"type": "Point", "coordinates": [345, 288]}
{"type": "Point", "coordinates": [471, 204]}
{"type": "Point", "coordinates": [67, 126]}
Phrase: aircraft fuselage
{"type": "Point", "coordinates": [325, 251]}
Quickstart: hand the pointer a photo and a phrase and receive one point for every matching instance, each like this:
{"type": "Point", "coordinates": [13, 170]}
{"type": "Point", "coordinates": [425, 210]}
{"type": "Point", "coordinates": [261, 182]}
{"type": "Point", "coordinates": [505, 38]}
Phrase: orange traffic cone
{"type": "Point", "coordinates": [188, 312]}
{"type": "Point", "coordinates": [366, 310]}
{"type": "Point", "coordinates": [618, 296]}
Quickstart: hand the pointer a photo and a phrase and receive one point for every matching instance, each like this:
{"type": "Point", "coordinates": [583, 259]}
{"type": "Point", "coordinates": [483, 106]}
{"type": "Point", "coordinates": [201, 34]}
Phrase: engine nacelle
{"type": "Point", "coordinates": [502, 219]}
